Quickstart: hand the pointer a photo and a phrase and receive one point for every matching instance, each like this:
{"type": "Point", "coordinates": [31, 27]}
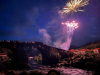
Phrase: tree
{"type": "Point", "coordinates": [54, 52]}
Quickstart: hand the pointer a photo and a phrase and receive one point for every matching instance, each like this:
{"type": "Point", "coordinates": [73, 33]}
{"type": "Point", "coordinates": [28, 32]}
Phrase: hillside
{"type": "Point", "coordinates": [91, 45]}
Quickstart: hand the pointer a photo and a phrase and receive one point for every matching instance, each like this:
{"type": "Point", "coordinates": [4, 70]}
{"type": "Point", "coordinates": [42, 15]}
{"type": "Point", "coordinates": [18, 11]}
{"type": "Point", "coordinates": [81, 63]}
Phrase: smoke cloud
{"type": "Point", "coordinates": [46, 38]}
{"type": "Point", "coordinates": [58, 36]}
{"type": "Point", "coordinates": [63, 42]}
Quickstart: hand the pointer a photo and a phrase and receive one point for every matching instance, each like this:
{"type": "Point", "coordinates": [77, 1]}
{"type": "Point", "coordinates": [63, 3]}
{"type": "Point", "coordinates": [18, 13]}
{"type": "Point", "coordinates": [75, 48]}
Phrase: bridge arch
{"type": "Point", "coordinates": [46, 50]}
{"type": "Point", "coordinates": [18, 48]}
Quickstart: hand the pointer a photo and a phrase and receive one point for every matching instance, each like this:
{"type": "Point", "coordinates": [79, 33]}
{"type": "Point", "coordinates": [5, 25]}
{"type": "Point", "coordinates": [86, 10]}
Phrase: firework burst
{"type": "Point", "coordinates": [73, 6]}
{"type": "Point", "coordinates": [71, 26]}
{"type": "Point", "coordinates": [70, 30]}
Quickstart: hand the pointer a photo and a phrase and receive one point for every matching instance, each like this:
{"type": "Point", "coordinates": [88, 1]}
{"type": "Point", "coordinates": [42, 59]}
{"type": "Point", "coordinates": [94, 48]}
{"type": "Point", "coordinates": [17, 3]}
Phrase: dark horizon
{"type": "Point", "coordinates": [48, 45]}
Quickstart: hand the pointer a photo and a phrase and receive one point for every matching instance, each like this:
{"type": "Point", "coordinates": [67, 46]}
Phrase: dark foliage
{"type": "Point", "coordinates": [53, 72]}
{"type": "Point", "coordinates": [24, 73]}
{"type": "Point", "coordinates": [36, 72]}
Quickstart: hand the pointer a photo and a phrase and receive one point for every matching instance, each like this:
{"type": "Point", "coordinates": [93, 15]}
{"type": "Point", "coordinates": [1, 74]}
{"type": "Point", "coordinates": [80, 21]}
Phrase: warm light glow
{"type": "Point", "coordinates": [74, 5]}
{"type": "Point", "coordinates": [62, 23]}
{"type": "Point", "coordinates": [72, 24]}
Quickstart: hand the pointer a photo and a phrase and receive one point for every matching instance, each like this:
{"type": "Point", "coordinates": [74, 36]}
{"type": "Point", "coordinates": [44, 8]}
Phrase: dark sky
{"type": "Point", "coordinates": [22, 19]}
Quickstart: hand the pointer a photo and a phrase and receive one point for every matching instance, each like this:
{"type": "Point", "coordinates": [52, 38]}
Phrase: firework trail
{"type": "Point", "coordinates": [70, 30]}
{"type": "Point", "coordinates": [66, 37]}
{"type": "Point", "coordinates": [73, 6]}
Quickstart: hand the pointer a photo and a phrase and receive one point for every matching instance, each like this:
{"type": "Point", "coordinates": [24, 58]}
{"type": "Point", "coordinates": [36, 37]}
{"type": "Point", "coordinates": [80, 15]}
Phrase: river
{"type": "Point", "coordinates": [63, 70]}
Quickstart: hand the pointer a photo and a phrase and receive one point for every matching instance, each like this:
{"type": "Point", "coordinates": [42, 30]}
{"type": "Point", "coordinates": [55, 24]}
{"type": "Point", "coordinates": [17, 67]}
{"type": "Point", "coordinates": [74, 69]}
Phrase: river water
{"type": "Point", "coordinates": [63, 70]}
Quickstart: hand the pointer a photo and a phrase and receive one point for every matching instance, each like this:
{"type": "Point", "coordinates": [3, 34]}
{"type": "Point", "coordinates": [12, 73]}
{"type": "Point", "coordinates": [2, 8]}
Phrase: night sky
{"type": "Point", "coordinates": [23, 20]}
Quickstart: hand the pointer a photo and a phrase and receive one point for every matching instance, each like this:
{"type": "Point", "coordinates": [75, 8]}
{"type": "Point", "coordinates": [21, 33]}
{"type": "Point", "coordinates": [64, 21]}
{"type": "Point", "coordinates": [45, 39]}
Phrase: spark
{"type": "Point", "coordinates": [74, 5]}
{"type": "Point", "coordinates": [72, 26]}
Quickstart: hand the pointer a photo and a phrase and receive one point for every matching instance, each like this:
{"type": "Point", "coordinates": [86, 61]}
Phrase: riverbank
{"type": "Point", "coordinates": [76, 65]}
{"type": "Point", "coordinates": [66, 71]}
{"type": "Point", "coordinates": [63, 70]}
{"type": "Point", "coordinates": [88, 62]}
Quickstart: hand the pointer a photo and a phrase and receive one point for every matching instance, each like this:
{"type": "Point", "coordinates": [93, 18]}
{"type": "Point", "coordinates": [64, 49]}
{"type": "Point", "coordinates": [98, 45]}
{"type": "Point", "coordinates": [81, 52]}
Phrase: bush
{"type": "Point", "coordinates": [53, 52]}
{"type": "Point", "coordinates": [28, 66]}
{"type": "Point", "coordinates": [91, 65]}
{"type": "Point", "coordinates": [67, 64]}
{"type": "Point", "coordinates": [24, 73]}
{"type": "Point", "coordinates": [9, 72]}
{"type": "Point", "coordinates": [35, 72]}
{"type": "Point", "coordinates": [87, 52]}
{"type": "Point", "coordinates": [7, 64]}
{"type": "Point", "coordinates": [53, 72]}
{"type": "Point", "coordinates": [38, 58]}
{"type": "Point", "coordinates": [70, 54]}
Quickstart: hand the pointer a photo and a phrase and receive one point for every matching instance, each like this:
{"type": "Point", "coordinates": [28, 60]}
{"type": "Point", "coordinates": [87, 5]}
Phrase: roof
{"type": "Point", "coordinates": [85, 50]}
{"type": "Point", "coordinates": [72, 50]}
{"type": "Point", "coordinates": [82, 50]}
{"type": "Point", "coordinates": [3, 54]}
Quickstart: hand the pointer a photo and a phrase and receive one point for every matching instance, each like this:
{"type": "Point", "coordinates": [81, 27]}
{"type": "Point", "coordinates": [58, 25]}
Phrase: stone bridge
{"type": "Point", "coordinates": [22, 49]}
